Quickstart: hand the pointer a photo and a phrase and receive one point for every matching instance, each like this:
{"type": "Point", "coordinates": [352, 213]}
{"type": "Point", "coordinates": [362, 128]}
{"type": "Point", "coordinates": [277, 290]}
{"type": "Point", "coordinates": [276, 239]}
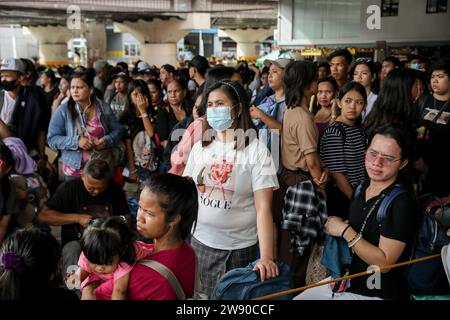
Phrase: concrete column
{"type": "Point", "coordinates": [159, 53]}
{"type": "Point", "coordinates": [95, 41]}
{"type": "Point", "coordinates": [158, 38]}
{"type": "Point", "coordinates": [248, 40]}
{"type": "Point", "coordinates": [52, 44]}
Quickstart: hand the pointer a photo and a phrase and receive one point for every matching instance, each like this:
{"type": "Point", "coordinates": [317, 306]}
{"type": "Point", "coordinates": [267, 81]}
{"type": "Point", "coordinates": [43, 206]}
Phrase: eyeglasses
{"type": "Point", "coordinates": [372, 155]}
{"type": "Point", "coordinates": [357, 102]}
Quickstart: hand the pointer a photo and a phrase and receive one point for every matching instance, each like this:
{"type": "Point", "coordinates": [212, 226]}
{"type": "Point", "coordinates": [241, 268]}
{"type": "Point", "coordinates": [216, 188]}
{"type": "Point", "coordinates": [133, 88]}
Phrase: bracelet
{"type": "Point", "coordinates": [356, 236]}
{"type": "Point", "coordinates": [144, 115]}
{"type": "Point", "coordinates": [355, 241]}
{"type": "Point", "coordinates": [343, 232]}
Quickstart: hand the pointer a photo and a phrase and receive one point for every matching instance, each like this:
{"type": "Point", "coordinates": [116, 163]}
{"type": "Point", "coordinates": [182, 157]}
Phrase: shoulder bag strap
{"type": "Point", "coordinates": [166, 273]}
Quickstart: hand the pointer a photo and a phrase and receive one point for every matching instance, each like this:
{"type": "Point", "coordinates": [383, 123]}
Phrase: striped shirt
{"type": "Point", "coordinates": [342, 149]}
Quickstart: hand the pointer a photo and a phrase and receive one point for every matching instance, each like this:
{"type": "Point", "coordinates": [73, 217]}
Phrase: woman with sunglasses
{"type": "Point", "coordinates": [378, 243]}
{"type": "Point", "coordinates": [342, 149]}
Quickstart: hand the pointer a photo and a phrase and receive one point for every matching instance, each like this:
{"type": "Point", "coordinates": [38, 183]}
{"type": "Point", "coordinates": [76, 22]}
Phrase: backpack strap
{"type": "Point", "coordinates": [387, 201]}
{"type": "Point", "coordinates": [166, 273]}
{"type": "Point", "coordinates": [357, 191]}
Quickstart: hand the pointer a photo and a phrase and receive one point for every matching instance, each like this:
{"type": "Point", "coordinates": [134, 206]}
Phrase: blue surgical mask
{"type": "Point", "coordinates": [219, 118]}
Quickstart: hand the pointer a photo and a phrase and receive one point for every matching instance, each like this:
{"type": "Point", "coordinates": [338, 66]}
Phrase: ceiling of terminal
{"type": "Point", "coordinates": [225, 14]}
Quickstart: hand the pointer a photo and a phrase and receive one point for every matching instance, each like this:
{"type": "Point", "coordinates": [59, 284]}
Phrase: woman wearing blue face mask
{"type": "Point", "coordinates": [236, 176]}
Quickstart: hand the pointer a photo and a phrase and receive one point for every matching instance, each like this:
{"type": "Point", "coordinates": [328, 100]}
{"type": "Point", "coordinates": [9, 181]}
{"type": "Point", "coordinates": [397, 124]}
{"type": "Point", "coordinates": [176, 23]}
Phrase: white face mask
{"type": "Point", "coordinates": [415, 66]}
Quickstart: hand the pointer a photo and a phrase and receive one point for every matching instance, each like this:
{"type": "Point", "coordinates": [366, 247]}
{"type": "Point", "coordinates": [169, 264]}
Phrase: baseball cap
{"type": "Point", "coordinates": [144, 67]}
{"type": "Point", "coordinates": [280, 62]}
{"type": "Point", "coordinates": [11, 64]}
{"type": "Point", "coordinates": [122, 75]}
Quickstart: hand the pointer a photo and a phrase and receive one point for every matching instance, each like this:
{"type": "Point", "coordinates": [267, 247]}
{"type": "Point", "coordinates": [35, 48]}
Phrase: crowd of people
{"type": "Point", "coordinates": [206, 169]}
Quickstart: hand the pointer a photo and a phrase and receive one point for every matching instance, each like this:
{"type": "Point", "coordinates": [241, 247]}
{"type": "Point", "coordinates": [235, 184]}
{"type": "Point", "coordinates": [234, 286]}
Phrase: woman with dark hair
{"type": "Point", "coordinates": [157, 94]}
{"type": "Point", "coordinates": [378, 241]}
{"type": "Point", "coordinates": [28, 267]}
{"type": "Point", "coordinates": [299, 155]}
{"type": "Point", "coordinates": [394, 104]}
{"type": "Point", "coordinates": [139, 131]}
{"type": "Point", "coordinates": [167, 213]}
{"type": "Point", "coordinates": [366, 74]}
{"type": "Point", "coordinates": [194, 131]}
{"type": "Point", "coordinates": [177, 110]}
{"type": "Point", "coordinates": [49, 87]}
{"type": "Point", "coordinates": [63, 95]}
{"type": "Point", "coordinates": [235, 176]}
{"type": "Point", "coordinates": [85, 128]}
{"type": "Point", "coordinates": [324, 104]}
{"type": "Point", "coordinates": [342, 149]}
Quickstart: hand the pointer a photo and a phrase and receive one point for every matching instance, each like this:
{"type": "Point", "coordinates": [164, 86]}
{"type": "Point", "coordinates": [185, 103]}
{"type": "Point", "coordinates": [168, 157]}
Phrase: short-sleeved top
{"type": "Point", "coordinates": [401, 223]}
{"type": "Point", "coordinates": [434, 144]}
{"type": "Point", "coordinates": [119, 104]}
{"type": "Point", "coordinates": [148, 284]}
{"type": "Point", "coordinates": [141, 250]}
{"type": "Point", "coordinates": [8, 108]}
{"type": "Point", "coordinates": [72, 197]}
{"type": "Point", "coordinates": [165, 121]}
{"type": "Point", "coordinates": [227, 214]}
{"type": "Point", "coordinates": [344, 156]}
{"type": "Point", "coordinates": [300, 137]}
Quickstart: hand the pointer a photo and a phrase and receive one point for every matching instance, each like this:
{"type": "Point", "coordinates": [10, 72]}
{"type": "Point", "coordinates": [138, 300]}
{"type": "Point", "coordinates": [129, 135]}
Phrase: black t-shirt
{"type": "Point", "coordinates": [132, 123]}
{"type": "Point", "coordinates": [433, 142]}
{"type": "Point", "coordinates": [49, 97]}
{"type": "Point", "coordinates": [72, 197]}
{"type": "Point", "coordinates": [401, 223]}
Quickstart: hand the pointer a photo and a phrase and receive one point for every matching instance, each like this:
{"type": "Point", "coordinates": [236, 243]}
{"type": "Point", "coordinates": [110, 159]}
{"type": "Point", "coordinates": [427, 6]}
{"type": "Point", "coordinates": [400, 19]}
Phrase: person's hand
{"type": "Point", "coordinates": [133, 177]}
{"type": "Point", "coordinates": [255, 112]}
{"type": "Point", "coordinates": [334, 110]}
{"type": "Point", "coordinates": [84, 219]}
{"type": "Point", "coordinates": [322, 181]}
{"type": "Point", "coordinates": [111, 85]}
{"type": "Point", "coordinates": [267, 269]}
{"type": "Point", "coordinates": [142, 103]}
{"type": "Point", "coordinates": [335, 226]}
{"type": "Point", "coordinates": [100, 144]}
{"type": "Point", "coordinates": [85, 144]}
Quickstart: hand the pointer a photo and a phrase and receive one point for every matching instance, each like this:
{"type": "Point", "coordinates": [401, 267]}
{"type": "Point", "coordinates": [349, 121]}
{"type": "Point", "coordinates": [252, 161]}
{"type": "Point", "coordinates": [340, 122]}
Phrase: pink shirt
{"type": "Point", "coordinates": [141, 250]}
{"type": "Point", "coordinates": [147, 284]}
{"type": "Point", "coordinates": [180, 155]}
{"type": "Point", "coordinates": [94, 132]}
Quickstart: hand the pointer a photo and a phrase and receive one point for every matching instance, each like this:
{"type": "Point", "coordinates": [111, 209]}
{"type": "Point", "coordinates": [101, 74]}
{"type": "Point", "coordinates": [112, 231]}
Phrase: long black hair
{"type": "Point", "coordinates": [89, 80]}
{"type": "Point", "coordinates": [394, 104]}
{"type": "Point", "coordinates": [36, 254]}
{"type": "Point", "coordinates": [142, 87]}
{"type": "Point", "coordinates": [176, 196]}
{"type": "Point", "coordinates": [297, 76]}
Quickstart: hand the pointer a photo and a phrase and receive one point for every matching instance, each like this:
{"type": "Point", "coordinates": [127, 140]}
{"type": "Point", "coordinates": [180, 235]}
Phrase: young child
{"type": "Point", "coordinates": [108, 250]}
